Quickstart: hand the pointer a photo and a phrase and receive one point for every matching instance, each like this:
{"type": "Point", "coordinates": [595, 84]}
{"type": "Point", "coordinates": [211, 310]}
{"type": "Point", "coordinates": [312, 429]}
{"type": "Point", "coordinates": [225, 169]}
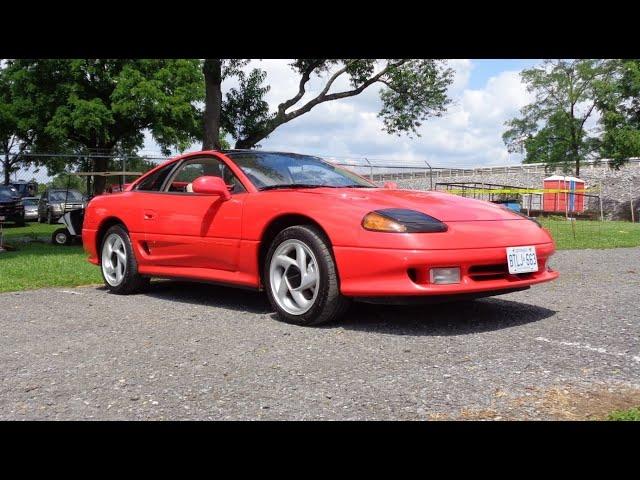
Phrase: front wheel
{"type": "Point", "coordinates": [118, 263]}
{"type": "Point", "coordinates": [301, 278]}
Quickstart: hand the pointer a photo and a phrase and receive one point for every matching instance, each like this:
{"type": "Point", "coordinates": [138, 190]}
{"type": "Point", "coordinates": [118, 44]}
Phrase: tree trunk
{"type": "Point", "coordinates": [99, 165]}
{"type": "Point", "coordinates": [7, 172]}
{"type": "Point", "coordinates": [212, 70]}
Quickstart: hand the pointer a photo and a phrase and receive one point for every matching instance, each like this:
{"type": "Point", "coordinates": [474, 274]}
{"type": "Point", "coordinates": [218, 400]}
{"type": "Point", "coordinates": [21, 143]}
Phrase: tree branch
{"type": "Point", "coordinates": [587, 115]}
{"type": "Point", "coordinates": [333, 78]}
{"type": "Point", "coordinates": [324, 97]}
{"type": "Point", "coordinates": [306, 75]}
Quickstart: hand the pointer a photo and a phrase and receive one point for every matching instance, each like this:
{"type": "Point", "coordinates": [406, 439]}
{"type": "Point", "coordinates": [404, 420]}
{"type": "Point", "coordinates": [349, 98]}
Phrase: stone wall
{"type": "Point", "coordinates": [618, 187]}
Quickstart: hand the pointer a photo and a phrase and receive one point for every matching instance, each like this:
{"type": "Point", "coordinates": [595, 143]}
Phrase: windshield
{"type": "Point", "coordinates": [281, 170]}
{"type": "Point", "coordinates": [61, 195]}
{"type": "Point", "coordinates": [30, 201]}
{"type": "Point", "coordinates": [8, 193]}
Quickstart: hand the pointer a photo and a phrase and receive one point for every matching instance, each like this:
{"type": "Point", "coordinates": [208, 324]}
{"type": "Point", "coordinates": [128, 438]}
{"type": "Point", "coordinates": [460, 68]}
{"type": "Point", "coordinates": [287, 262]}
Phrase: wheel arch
{"type": "Point", "coordinates": [105, 225]}
{"type": "Point", "coordinates": [279, 223]}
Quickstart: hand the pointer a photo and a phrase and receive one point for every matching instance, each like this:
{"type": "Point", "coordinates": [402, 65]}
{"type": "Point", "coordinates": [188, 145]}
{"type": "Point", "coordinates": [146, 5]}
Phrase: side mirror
{"type": "Point", "coordinates": [209, 185]}
{"type": "Point", "coordinates": [390, 185]}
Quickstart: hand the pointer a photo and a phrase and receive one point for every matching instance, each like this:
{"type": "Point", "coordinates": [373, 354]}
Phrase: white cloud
{"type": "Point", "coordinates": [470, 133]}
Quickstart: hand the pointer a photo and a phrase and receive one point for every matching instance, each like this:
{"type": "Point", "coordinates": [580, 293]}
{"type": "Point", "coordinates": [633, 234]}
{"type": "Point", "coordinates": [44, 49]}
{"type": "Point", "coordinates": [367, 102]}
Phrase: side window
{"type": "Point", "coordinates": [192, 169]}
{"type": "Point", "coordinates": [154, 182]}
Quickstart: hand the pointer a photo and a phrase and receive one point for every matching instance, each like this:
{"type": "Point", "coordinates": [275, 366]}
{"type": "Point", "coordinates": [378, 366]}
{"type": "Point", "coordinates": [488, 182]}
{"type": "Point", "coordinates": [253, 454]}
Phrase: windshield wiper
{"type": "Point", "coordinates": [310, 185]}
{"type": "Point", "coordinates": [294, 185]}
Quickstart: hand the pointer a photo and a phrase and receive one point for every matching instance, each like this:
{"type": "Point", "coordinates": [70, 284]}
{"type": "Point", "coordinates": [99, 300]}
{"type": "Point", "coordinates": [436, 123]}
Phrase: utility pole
{"type": "Point", "coordinates": [124, 169]}
{"type": "Point", "coordinates": [633, 215]}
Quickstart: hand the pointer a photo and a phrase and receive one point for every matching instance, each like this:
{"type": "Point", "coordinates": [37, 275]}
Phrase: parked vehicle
{"type": "Point", "coordinates": [54, 203]}
{"type": "Point", "coordinates": [312, 234]}
{"type": "Point", "coordinates": [26, 189]}
{"type": "Point", "coordinates": [11, 206]}
{"type": "Point", "coordinates": [30, 208]}
{"type": "Point", "coordinates": [72, 220]}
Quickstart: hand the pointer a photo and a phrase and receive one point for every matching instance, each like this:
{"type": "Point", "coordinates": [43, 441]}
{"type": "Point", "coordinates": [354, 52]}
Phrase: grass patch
{"type": "Point", "coordinates": [39, 265]}
{"type": "Point", "coordinates": [32, 231]}
{"type": "Point", "coordinates": [592, 234]}
{"type": "Point", "coordinates": [632, 414]}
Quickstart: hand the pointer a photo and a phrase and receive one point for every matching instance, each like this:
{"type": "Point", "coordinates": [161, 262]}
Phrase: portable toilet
{"type": "Point", "coordinates": [563, 194]}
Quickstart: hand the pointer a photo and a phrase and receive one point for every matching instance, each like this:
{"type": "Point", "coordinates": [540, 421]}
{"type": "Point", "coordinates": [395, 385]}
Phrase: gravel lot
{"type": "Point", "coordinates": [569, 349]}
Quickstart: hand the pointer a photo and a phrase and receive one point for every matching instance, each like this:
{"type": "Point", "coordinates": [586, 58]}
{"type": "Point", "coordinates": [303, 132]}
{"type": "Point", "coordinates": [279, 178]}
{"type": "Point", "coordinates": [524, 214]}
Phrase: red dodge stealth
{"type": "Point", "coordinates": [312, 234]}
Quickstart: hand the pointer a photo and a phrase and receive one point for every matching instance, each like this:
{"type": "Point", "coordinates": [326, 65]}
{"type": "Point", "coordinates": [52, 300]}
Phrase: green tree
{"type": "Point", "coordinates": [95, 108]}
{"type": "Point", "coordinates": [619, 102]}
{"type": "Point", "coordinates": [552, 130]}
{"type": "Point", "coordinates": [15, 138]}
{"type": "Point", "coordinates": [66, 180]}
{"type": "Point", "coordinates": [411, 92]}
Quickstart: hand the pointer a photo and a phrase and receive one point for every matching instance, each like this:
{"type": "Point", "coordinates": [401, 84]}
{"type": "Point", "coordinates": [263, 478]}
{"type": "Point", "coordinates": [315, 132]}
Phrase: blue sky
{"type": "Point", "coordinates": [485, 94]}
{"type": "Point", "coordinates": [483, 69]}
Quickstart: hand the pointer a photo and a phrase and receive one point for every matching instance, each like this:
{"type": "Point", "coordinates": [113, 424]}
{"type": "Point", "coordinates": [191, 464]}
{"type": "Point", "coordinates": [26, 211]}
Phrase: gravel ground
{"type": "Point", "coordinates": [568, 349]}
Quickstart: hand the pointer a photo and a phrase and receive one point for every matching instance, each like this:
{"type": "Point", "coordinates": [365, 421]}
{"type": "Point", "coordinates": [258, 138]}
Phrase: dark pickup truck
{"type": "Point", "coordinates": [11, 206]}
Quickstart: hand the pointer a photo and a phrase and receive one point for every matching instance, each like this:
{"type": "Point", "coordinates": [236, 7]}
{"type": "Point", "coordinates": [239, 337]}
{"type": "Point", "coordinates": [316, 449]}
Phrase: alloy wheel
{"type": "Point", "coordinates": [294, 277]}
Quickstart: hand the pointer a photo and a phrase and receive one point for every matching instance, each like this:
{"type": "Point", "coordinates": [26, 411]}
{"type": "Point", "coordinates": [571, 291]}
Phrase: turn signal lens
{"type": "Point", "coordinates": [378, 223]}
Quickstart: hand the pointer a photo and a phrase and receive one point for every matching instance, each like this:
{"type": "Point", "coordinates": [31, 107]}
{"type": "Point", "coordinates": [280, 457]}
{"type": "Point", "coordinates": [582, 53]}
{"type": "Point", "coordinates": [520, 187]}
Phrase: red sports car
{"type": "Point", "coordinates": [312, 234]}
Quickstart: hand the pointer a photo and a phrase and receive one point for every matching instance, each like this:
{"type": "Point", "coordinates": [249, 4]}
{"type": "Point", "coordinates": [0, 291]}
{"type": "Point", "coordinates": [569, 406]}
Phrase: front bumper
{"type": "Point", "coordinates": [12, 214]}
{"type": "Point", "coordinates": [375, 272]}
{"type": "Point", "coordinates": [89, 244]}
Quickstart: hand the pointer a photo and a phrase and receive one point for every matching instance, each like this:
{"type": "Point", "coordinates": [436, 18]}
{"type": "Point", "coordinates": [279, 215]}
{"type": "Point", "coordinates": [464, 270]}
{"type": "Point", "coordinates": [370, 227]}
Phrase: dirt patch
{"type": "Point", "coordinates": [482, 414]}
{"type": "Point", "coordinates": [568, 403]}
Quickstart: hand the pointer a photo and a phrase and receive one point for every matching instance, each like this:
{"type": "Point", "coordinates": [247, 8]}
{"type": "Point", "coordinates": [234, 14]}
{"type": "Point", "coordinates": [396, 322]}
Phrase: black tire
{"type": "Point", "coordinates": [61, 237]}
{"type": "Point", "coordinates": [329, 304]}
{"type": "Point", "coordinates": [132, 282]}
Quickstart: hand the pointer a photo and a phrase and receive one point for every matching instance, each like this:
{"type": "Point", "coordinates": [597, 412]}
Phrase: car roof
{"type": "Point", "coordinates": [253, 150]}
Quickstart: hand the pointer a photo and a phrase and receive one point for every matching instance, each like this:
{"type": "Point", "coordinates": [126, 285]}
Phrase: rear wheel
{"type": "Point", "coordinates": [61, 237]}
{"type": "Point", "coordinates": [118, 263]}
{"type": "Point", "coordinates": [301, 278]}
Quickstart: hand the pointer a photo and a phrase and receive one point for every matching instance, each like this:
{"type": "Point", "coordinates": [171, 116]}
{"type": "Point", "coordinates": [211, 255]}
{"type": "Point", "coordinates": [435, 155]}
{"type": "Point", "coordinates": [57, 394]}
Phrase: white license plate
{"type": "Point", "coordinates": [522, 259]}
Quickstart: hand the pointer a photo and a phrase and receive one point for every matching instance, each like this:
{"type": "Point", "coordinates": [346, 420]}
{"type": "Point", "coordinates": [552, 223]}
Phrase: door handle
{"type": "Point", "coordinates": [149, 214]}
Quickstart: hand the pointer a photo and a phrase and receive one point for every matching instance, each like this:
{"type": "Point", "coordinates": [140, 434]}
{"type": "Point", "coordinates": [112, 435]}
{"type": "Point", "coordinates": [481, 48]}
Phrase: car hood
{"type": "Point", "coordinates": [443, 206]}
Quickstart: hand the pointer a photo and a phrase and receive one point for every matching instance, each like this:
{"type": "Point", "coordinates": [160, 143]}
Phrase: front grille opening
{"type": "Point", "coordinates": [481, 273]}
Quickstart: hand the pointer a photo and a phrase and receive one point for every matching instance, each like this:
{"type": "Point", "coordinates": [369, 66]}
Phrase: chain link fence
{"type": "Point", "coordinates": [608, 217]}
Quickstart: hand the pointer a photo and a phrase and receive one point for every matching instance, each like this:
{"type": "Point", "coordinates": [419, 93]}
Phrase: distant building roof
{"type": "Point", "coordinates": [563, 178]}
